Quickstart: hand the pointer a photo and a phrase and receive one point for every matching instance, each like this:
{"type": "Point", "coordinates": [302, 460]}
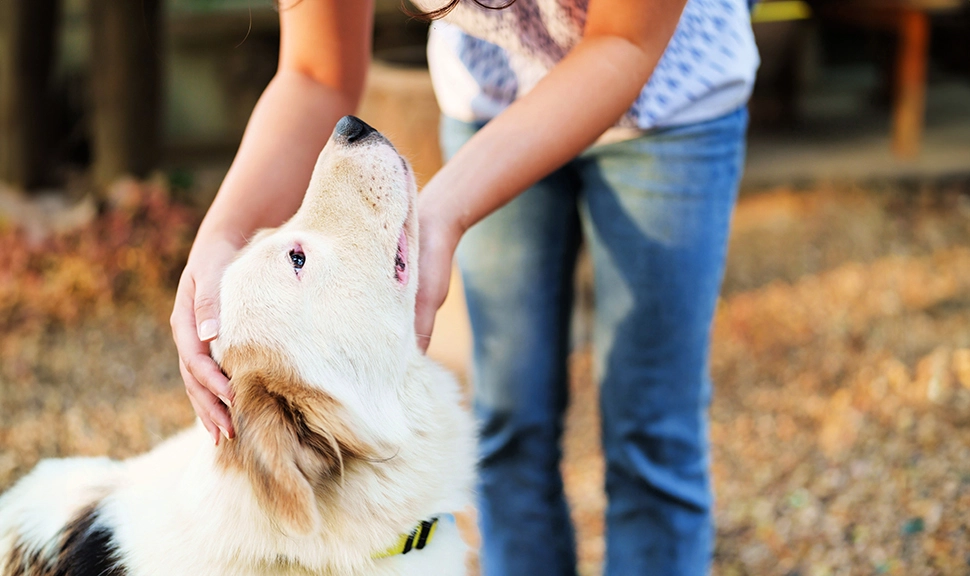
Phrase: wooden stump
{"type": "Point", "coordinates": [27, 32]}
{"type": "Point", "coordinates": [125, 67]}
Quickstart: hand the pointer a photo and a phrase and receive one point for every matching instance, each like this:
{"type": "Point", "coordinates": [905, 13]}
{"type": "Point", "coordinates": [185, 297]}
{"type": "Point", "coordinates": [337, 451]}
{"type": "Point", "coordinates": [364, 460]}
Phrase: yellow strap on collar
{"type": "Point", "coordinates": [415, 540]}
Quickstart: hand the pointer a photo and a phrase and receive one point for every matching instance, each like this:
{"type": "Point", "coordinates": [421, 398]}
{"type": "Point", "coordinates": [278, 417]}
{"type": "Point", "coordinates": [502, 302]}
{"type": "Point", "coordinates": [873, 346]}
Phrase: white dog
{"type": "Point", "coordinates": [351, 450]}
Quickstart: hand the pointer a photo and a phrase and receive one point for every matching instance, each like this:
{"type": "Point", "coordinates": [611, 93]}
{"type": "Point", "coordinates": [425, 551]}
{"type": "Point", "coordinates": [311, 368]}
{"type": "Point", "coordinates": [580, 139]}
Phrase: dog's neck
{"type": "Point", "coordinates": [315, 476]}
{"type": "Point", "coordinates": [366, 376]}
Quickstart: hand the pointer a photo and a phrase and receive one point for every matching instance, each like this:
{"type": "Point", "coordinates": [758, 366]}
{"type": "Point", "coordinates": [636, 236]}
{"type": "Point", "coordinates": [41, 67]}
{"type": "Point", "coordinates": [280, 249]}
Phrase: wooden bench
{"type": "Point", "coordinates": [910, 19]}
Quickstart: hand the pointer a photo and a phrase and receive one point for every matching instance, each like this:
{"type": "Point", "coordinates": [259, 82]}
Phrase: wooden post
{"type": "Point", "coordinates": [910, 100]}
{"type": "Point", "coordinates": [126, 68]}
{"type": "Point", "coordinates": [27, 32]}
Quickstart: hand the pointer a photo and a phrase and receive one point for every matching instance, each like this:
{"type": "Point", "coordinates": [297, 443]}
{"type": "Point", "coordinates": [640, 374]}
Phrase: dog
{"type": "Point", "coordinates": [352, 448]}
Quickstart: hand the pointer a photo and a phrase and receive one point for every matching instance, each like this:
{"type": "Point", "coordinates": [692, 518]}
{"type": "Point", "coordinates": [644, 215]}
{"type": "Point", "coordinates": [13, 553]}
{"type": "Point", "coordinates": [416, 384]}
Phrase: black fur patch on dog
{"type": "Point", "coordinates": [85, 549]}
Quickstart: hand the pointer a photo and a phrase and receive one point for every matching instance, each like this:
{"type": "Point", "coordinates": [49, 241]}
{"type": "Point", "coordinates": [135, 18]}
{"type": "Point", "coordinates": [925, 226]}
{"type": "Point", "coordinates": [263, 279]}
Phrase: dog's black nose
{"type": "Point", "coordinates": [353, 129]}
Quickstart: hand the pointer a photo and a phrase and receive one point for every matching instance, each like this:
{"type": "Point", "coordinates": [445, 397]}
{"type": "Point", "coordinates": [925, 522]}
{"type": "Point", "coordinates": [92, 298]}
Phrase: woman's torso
{"type": "Point", "coordinates": [481, 60]}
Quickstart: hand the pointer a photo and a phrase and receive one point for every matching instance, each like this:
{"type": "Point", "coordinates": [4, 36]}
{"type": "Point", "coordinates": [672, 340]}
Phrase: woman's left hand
{"type": "Point", "coordinates": [438, 238]}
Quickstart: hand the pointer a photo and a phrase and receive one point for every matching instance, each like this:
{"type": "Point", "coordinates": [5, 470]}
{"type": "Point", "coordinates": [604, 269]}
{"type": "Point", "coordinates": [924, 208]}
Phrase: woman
{"type": "Point", "coordinates": [621, 122]}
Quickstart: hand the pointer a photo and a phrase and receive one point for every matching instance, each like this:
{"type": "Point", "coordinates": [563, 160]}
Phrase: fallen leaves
{"type": "Point", "coordinates": [841, 416]}
{"type": "Point", "coordinates": [840, 424]}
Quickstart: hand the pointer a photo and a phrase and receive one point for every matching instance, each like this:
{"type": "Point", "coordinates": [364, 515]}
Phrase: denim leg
{"type": "Point", "coordinates": [517, 268]}
{"type": "Point", "coordinates": [656, 211]}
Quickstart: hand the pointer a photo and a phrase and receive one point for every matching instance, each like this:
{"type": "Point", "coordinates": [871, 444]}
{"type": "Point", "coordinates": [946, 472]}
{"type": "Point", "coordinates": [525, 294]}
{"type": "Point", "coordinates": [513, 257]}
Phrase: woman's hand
{"type": "Point", "coordinates": [438, 238]}
{"type": "Point", "coordinates": [195, 322]}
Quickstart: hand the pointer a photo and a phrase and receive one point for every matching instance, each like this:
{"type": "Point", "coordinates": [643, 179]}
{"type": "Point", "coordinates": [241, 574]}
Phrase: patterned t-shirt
{"type": "Point", "coordinates": [481, 60]}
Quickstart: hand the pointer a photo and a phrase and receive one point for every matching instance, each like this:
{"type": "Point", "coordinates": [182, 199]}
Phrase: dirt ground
{"type": "Point", "coordinates": [840, 425]}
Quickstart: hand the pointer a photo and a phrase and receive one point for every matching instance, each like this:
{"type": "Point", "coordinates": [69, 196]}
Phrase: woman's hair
{"type": "Point", "coordinates": [435, 14]}
{"type": "Point", "coordinates": [444, 10]}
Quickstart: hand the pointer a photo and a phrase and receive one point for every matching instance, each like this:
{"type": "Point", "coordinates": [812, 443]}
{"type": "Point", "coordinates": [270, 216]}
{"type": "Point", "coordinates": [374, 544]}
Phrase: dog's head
{"type": "Point", "coordinates": [338, 280]}
{"type": "Point", "coordinates": [317, 324]}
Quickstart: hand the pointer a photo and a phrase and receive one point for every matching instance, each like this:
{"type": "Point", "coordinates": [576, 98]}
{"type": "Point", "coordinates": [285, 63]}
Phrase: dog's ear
{"type": "Point", "coordinates": [293, 442]}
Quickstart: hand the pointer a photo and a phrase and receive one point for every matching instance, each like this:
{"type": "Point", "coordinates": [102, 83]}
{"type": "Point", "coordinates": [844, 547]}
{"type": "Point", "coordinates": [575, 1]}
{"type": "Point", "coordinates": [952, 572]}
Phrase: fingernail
{"type": "Point", "coordinates": [215, 437]}
{"type": "Point", "coordinates": [208, 330]}
{"type": "Point", "coordinates": [224, 433]}
{"type": "Point", "coordinates": [225, 401]}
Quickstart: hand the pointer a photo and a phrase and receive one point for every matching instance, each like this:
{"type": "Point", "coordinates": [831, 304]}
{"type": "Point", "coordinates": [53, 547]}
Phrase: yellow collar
{"type": "Point", "coordinates": [416, 539]}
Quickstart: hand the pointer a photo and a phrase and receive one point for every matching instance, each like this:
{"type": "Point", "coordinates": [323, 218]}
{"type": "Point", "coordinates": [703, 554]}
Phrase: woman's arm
{"type": "Point", "coordinates": [324, 53]}
{"type": "Point", "coordinates": [580, 98]}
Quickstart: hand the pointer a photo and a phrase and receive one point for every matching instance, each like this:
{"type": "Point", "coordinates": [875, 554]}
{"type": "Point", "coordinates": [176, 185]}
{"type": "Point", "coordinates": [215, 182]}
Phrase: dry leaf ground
{"type": "Point", "coordinates": [841, 360]}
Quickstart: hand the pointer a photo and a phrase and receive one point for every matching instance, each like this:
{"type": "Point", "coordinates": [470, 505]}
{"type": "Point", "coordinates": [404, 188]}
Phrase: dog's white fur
{"type": "Point", "coordinates": [333, 343]}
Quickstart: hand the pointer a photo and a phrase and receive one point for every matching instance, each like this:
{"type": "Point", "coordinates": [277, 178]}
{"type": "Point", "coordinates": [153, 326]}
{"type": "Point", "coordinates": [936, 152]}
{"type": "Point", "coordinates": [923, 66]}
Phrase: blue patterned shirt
{"type": "Point", "coordinates": [482, 60]}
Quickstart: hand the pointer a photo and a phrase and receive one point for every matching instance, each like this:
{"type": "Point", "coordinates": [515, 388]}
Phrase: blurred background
{"type": "Point", "coordinates": [841, 353]}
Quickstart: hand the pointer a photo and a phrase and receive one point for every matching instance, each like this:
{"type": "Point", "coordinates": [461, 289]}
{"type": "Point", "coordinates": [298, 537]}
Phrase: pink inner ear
{"type": "Point", "coordinates": [401, 260]}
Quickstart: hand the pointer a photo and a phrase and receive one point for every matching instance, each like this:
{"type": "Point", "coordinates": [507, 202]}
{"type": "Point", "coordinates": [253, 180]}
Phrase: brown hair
{"type": "Point", "coordinates": [439, 13]}
{"type": "Point", "coordinates": [435, 14]}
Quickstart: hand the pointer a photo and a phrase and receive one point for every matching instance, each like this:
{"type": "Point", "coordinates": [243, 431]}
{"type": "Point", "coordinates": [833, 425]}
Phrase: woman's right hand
{"type": "Point", "coordinates": [195, 322]}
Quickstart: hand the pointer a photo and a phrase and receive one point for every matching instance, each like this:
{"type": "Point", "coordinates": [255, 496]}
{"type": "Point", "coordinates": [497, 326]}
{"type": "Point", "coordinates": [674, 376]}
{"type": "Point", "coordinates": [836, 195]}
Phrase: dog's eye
{"type": "Point", "coordinates": [298, 258]}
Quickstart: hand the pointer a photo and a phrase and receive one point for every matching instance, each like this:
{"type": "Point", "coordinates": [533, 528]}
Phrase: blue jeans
{"type": "Point", "coordinates": [655, 213]}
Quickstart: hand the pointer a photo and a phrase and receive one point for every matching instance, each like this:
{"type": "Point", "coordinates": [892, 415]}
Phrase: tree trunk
{"type": "Point", "coordinates": [126, 69]}
{"type": "Point", "coordinates": [27, 32]}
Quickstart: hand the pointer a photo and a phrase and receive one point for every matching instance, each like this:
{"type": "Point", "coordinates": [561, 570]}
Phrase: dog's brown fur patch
{"type": "Point", "coordinates": [84, 549]}
{"type": "Point", "coordinates": [292, 440]}
{"type": "Point", "coordinates": [20, 562]}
